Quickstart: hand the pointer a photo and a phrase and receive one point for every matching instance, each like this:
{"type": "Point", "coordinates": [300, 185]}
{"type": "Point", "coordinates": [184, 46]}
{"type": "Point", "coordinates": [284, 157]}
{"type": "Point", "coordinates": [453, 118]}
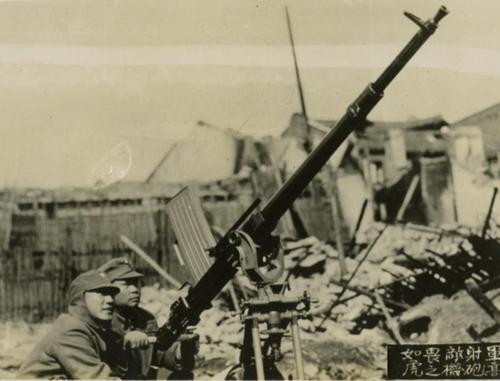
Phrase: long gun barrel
{"type": "Point", "coordinates": [355, 115]}
{"type": "Point", "coordinates": [186, 311]}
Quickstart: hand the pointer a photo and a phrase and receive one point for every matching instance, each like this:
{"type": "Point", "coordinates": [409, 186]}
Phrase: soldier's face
{"type": "Point", "coordinates": [100, 304]}
{"type": "Point", "coordinates": [130, 294]}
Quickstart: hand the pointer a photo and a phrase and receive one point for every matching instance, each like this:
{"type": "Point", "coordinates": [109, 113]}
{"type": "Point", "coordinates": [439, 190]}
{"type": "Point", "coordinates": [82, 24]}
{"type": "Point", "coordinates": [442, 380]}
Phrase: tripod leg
{"type": "Point", "coordinates": [297, 349]}
{"type": "Point", "coordinates": [257, 350]}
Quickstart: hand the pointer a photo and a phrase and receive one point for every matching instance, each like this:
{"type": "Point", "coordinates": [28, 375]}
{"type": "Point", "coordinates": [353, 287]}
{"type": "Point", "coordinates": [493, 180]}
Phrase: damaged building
{"type": "Point", "coordinates": [403, 171]}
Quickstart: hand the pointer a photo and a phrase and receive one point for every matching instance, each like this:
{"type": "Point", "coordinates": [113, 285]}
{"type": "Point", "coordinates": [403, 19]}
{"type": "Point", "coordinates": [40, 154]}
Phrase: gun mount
{"type": "Point", "coordinates": [277, 312]}
{"type": "Point", "coordinates": [250, 243]}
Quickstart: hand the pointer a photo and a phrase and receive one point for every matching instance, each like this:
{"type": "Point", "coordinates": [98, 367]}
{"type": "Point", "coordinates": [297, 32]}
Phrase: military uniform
{"type": "Point", "coordinates": [76, 347]}
{"type": "Point", "coordinates": [139, 363]}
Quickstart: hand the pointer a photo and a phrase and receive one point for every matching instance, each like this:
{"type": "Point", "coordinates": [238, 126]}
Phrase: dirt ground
{"type": "Point", "coordinates": [16, 341]}
{"type": "Point", "coordinates": [333, 353]}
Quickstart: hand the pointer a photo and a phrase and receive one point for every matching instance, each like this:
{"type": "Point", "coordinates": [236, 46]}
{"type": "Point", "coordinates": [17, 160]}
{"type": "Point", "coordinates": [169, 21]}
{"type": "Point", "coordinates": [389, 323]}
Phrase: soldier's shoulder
{"type": "Point", "coordinates": [66, 329]}
{"type": "Point", "coordinates": [138, 317]}
{"type": "Point", "coordinates": [144, 314]}
{"type": "Point", "coordinates": [68, 322]}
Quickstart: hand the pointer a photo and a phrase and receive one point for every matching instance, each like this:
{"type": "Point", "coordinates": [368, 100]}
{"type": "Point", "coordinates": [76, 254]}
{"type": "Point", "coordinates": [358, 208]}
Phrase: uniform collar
{"type": "Point", "coordinates": [80, 312]}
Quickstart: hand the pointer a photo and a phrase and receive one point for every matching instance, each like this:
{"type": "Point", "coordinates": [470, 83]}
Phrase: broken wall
{"type": "Point", "coordinates": [473, 194]}
{"type": "Point", "coordinates": [436, 185]}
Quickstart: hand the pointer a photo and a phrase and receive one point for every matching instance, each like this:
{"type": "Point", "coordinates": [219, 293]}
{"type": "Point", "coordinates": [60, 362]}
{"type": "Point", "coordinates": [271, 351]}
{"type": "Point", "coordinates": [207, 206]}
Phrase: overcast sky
{"type": "Point", "coordinates": [79, 77]}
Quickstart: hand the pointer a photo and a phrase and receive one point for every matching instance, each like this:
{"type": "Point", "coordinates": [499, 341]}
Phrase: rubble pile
{"type": "Point", "coordinates": [329, 355]}
{"type": "Point", "coordinates": [431, 263]}
{"type": "Point", "coordinates": [414, 269]}
{"type": "Point", "coordinates": [418, 272]}
{"type": "Point", "coordinates": [449, 320]}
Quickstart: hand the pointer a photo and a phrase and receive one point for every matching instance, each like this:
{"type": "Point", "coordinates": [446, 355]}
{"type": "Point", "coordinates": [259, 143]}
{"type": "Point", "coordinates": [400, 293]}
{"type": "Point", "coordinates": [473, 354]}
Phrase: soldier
{"type": "Point", "coordinates": [137, 327]}
{"type": "Point", "coordinates": [76, 347]}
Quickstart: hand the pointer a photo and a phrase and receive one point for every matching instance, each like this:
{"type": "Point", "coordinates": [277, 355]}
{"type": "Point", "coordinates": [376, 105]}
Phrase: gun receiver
{"type": "Point", "coordinates": [253, 236]}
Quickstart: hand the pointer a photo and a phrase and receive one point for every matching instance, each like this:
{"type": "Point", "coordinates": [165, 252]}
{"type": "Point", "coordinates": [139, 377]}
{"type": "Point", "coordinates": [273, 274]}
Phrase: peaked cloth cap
{"type": "Point", "coordinates": [119, 268]}
{"type": "Point", "coordinates": [89, 281]}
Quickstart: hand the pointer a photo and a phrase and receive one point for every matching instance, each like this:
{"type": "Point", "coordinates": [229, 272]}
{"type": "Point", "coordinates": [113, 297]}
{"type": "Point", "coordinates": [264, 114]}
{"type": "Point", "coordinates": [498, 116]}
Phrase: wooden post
{"type": "Point", "coordinates": [488, 215]}
{"type": "Point", "coordinates": [60, 275]}
{"type": "Point", "coordinates": [52, 269]}
{"type": "Point", "coordinates": [408, 197]}
{"type": "Point", "coordinates": [29, 287]}
{"type": "Point", "coordinates": [3, 296]}
{"type": "Point", "coordinates": [234, 297]}
{"type": "Point", "coordinates": [5, 285]}
{"type": "Point", "coordinates": [136, 249]}
{"type": "Point", "coordinates": [333, 195]}
{"type": "Point", "coordinates": [9, 298]}
{"type": "Point", "coordinates": [17, 285]}
{"type": "Point", "coordinates": [286, 220]}
{"type": "Point", "coordinates": [161, 237]}
{"type": "Point", "coordinates": [475, 292]}
{"type": "Point", "coordinates": [391, 323]}
{"type": "Point", "coordinates": [53, 288]}
{"type": "Point", "coordinates": [370, 294]}
{"type": "Point", "coordinates": [49, 262]}
{"type": "Point", "coordinates": [351, 276]}
{"type": "Point", "coordinates": [352, 243]}
{"type": "Point", "coordinates": [370, 193]}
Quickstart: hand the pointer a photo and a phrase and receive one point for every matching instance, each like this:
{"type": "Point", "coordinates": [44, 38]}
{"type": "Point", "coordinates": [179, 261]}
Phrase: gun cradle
{"type": "Point", "coordinates": [254, 264]}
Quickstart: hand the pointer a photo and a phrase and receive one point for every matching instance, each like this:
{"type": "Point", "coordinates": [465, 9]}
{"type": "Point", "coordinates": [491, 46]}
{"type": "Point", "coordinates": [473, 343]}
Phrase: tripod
{"type": "Point", "coordinates": [262, 349]}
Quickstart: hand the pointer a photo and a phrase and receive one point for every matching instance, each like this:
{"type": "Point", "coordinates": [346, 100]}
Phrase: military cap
{"type": "Point", "coordinates": [119, 268]}
{"type": "Point", "coordinates": [91, 281]}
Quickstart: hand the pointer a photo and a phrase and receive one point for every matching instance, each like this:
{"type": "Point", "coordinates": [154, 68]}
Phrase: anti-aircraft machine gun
{"type": "Point", "coordinates": [250, 245]}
